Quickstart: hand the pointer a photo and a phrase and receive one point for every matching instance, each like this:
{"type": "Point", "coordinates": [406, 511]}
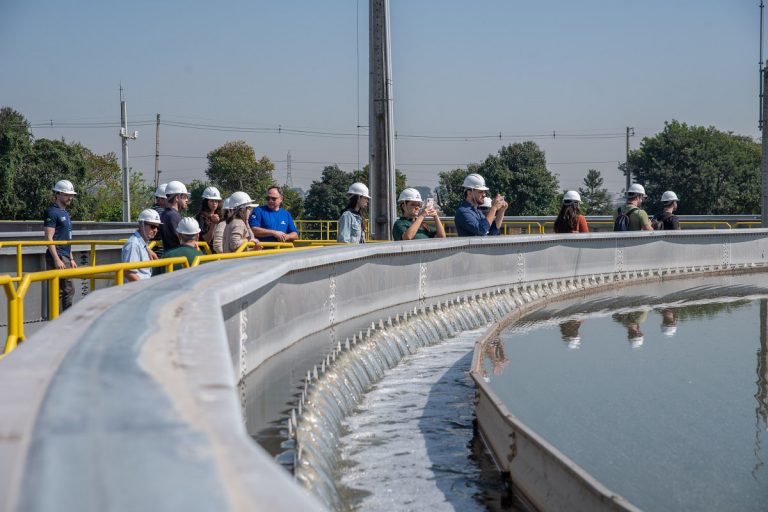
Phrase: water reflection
{"type": "Point", "coordinates": [569, 332]}
{"type": "Point", "coordinates": [496, 356]}
{"type": "Point", "coordinates": [761, 411]}
{"type": "Point", "coordinates": [631, 321]}
{"type": "Point", "coordinates": [668, 322]}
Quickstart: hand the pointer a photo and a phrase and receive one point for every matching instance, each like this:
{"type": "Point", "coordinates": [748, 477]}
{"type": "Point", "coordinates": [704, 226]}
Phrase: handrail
{"type": "Point", "coordinates": [16, 296]}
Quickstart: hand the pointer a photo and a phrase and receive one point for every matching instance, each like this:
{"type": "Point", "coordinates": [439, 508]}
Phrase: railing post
{"type": "Point", "coordinates": [53, 298]}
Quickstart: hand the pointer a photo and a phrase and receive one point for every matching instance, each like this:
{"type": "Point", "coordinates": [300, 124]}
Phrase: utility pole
{"type": "Point", "coordinates": [157, 152]}
{"type": "Point", "coordinates": [764, 162]}
{"type": "Point", "coordinates": [381, 143]}
{"type": "Point", "coordinates": [630, 133]}
{"type": "Point", "coordinates": [288, 177]}
{"type": "Point", "coordinates": [126, 179]}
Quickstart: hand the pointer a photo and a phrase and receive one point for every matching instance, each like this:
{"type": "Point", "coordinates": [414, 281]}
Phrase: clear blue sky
{"type": "Point", "coordinates": [517, 67]}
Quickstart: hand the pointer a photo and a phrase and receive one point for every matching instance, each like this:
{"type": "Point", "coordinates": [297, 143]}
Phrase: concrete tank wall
{"type": "Point", "coordinates": [139, 387]}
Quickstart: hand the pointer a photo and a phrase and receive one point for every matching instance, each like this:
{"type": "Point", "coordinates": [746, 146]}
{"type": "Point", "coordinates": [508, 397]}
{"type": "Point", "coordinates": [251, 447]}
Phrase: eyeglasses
{"type": "Point", "coordinates": [153, 226]}
{"type": "Point", "coordinates": [271, 198]}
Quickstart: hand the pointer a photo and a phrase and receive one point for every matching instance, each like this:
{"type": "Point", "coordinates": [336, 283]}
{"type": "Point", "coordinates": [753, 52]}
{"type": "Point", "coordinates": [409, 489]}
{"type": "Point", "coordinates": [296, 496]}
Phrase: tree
{"type": "Point", "coordinates": [713, 172]}
{"type": "Point", "coordinates": [327, 198]}
{"type": "Point", "coordinates": [518, 171]}
{"type": "Point", "coordinates": [234, 167]}
{"type": "Point", "coordinates": [595, 200]}
{"type": "Point", "coordinates": [15, 145]}
{"type": "Point", "coordinates": [293, 201]}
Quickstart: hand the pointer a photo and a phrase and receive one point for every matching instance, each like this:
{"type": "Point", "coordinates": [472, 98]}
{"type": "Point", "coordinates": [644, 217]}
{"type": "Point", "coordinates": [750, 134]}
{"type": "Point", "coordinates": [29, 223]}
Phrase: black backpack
{"type": "Point", "coordinates": [622, 219]}
{"type": "Point", "coordinates": [657, 222]}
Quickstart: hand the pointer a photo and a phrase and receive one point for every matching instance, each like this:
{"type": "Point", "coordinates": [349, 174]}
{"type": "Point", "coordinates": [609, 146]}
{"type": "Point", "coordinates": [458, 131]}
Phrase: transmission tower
{"type": "Point", "coordinates": [288, 177]}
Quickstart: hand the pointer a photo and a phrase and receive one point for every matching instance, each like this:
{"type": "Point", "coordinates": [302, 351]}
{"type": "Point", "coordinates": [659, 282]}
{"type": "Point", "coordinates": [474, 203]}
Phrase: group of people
{"type": "Point", "coordinates": [224, 224]}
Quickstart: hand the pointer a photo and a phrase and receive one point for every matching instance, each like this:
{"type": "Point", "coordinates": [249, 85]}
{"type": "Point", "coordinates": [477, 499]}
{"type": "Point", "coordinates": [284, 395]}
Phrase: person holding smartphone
{"type": "Point", "coordinates": [411, 225]}
{"type": "Point", "coordinates": [469, 220]}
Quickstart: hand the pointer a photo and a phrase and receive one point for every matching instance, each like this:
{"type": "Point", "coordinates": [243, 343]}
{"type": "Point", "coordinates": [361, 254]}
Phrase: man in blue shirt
{"type": "Point", "coordinates": [58, 226]}
{"type": "Point", "coordinates": [270, 223]}
{"type": "Point", "coordinates": [472, 222]}
{"type": "Point", "coordinates": [135, 249]}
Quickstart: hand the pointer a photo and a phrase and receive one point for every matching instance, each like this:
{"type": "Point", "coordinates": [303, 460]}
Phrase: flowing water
{"type": "Point", "coordinates": [666, 403]}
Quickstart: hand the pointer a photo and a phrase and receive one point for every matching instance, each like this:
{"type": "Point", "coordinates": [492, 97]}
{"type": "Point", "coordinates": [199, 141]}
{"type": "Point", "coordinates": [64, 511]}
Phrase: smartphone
{"type": "Point", "coordinates": [430, 203]}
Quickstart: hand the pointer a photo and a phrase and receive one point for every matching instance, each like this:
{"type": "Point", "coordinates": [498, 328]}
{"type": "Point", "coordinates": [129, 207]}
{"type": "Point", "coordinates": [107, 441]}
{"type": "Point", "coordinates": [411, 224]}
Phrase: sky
{"type": "Point", "coordinates": [292, 75]}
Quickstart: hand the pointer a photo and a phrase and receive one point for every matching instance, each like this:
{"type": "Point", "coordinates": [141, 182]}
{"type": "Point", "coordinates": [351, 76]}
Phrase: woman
{"type": "Point", "coordinates": [570, 219]}
{"type": "Point", "coordinates": [411, 223]}
{"type": "Point", "coordinates": [237, 232]}
{"type": "Point", "coordinates": [218, 232]}
{"type": "Point", "coordinates": [352, 220]}
{"type": "Point", "coordinates": [208, 216]}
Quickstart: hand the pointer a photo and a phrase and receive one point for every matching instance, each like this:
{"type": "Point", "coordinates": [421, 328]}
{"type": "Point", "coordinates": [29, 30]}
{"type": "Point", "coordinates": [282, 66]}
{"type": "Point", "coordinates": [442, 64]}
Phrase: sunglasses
{"type": "Point", "coordinates": [270, 198]}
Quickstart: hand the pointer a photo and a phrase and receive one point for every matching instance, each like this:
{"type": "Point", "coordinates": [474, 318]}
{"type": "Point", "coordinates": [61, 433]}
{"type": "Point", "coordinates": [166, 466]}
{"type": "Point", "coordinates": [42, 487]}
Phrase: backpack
{"type": "Point", "coordinates": [622, 219]}
{"type": "Point", "coordinates": [657, 222]}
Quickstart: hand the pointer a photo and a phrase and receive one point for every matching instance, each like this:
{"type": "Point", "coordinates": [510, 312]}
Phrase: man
{"type": "Point", "coordinates": [667, 220]}
{"type": "Point", "coordinates": [469, 220]}
{"type": "Point", "coordinates": [270, 223]}
{"type": "Point", "coordinates": [135, 248]}
{"type": "Point", "coordinates": [58, 226]}
{"type": "Point", "coordinates": [636, 218]}
{"type": "Point", "coordinates": [176, 200]}
{"type": "Point", "coordinates": [159, 207]}
{"type": "Point", "coordinates": [188, 231]}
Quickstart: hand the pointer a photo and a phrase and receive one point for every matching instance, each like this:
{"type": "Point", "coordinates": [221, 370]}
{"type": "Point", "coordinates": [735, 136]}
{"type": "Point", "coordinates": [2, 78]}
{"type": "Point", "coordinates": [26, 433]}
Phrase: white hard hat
{"type": "Point", "coordinates": [486, 202]}
{"type": "Point", "coordinates": [571, 196]}
{"type": "Point", "coordinates": [211, 193]}
{"type": "Point", "coordinates": [160, 191]}
{"type": "Point", "coordinates": [240, 200]}
{"type": "Point", "coordinates": [149, 216]}
{"type": "Point", "coordinates": [475, 181]}
{"type": "Point", "coordinates": [573, 342]}
{"type": "Point", "coordinates": [358, 189]}
{"type": "Point", "coordinates": [635, 189]}
{"type": "Point", "coordinates": [409, 194]}
{"type": "Point", "coordinates": [636, 341]}
{"type": "Point", "coordinates": [668, 197]}
{"type": "Point", "coordinates": [64, 187]}
{"type": "Point", "coordinates": [225, 205]}
{"type": "Point", "coordinates": [188, 226]}
{"type": "Point", "coordinates": [174, 188]}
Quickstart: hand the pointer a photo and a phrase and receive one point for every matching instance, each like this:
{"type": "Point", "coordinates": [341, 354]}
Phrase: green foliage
{"type": "Point", "coordinates": [713, 172]}
{"type": "Point", "coordinates": [234, 167]}
{"type": "Point", "coordinates": [29, 169]}
{"type": "Point", "coordinates": [327, 198]}
{"type": "Point", "coordinates": [293, 202]}
{"type": "Point", "coordinates": [195, 190]}
{"type": "Point", "coordinates": [595, 200]}
{"type": "Point", "coordinates": [518, 171]}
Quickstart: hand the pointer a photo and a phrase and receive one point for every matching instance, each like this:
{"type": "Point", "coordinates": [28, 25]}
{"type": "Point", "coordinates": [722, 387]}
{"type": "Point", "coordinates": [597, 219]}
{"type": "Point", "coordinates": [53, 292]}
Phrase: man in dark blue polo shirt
{"type": "Point", "coordinates": [270, 223]}
{"type": "Point", "coordinates": [58, 226]}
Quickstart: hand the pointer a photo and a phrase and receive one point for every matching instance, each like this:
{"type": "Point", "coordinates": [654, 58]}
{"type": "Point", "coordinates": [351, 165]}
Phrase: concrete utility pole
{"type": "Point", "coordinates": [288, 176]}
{"type": "Point", "coordinates": [381, 143]}
{"type": "Point", "coordinates": [630, 132]}
{"type": "Point", "coordinates": [126, 179]}
{"type": "Point", "coordinates": [764, 162]}
{"type": "Point", "coordinates": [157, 152]}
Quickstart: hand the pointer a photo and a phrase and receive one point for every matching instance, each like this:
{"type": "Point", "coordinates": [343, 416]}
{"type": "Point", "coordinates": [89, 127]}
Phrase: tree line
{"type": "Point", "coordinates": [713, 172]}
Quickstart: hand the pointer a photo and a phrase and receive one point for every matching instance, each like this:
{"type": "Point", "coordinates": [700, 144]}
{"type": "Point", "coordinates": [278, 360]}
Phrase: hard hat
{"type": "Point", "coordinates": [174, 188]}
{"type": "Point", "coordinates": [636, 189]}
{"type": "Point", "coordinates": [188, 226]}
{"type": "Point", "coordinates": [668, 197]}
{"type": "Point", "coordinates": [573, 342]}
{"type": "Point", "coordinates": [64, 187]}
{"type": "Point", "coordinates": [474, 181]}
{"type": "Point", "coordinates": [358, 189]}
{"type": "Point", "coordinates": [225, 205]}
{"type": "Point", "coordinates": [211, 193]}
{"type": "Point", "coordinates": [486, 202]}
{"type": "Point", "coordinates": [571, 196]}
{"type": "Point", "coordinates": [149, 216]}
{"type": "Point", "coordinates": [636, 342]}
{"type": "Point", "coordinates": [409, 194]}
{"type": "Point", "coordinates": [241, 200]}
{"type": "Point", "coordinates": [160, 191]}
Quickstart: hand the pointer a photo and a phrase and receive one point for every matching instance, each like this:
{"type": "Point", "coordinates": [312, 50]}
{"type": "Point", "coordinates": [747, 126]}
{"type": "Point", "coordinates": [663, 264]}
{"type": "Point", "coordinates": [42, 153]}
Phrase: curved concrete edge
{"type": "Point", "coordinates": [136, 387]}
{"type": "Point", "coordinates": [547, 479]}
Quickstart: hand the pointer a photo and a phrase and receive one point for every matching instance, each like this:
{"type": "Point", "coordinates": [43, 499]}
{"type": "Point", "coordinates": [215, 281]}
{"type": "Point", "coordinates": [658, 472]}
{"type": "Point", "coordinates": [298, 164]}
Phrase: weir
{"type": "Point", "coordinates": [144, 388]}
